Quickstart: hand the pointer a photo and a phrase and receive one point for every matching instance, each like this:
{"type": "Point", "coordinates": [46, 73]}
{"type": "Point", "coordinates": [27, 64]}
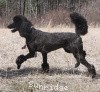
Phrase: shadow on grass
{"type": "Point", "coordinates": [9, 73]}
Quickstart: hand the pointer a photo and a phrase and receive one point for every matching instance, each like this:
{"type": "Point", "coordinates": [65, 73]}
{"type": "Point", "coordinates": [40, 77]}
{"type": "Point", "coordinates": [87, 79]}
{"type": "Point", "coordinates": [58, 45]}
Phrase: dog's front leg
{"type": "Point", "coordinates": [20, 59]}
{"type": "Point", "coordinates": [45, 65]}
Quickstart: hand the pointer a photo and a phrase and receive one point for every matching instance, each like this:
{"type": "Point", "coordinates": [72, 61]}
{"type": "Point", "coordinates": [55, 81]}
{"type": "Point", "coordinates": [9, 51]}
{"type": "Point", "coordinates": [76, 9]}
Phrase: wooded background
{"type": "Point", "coordinates": [45, 11]}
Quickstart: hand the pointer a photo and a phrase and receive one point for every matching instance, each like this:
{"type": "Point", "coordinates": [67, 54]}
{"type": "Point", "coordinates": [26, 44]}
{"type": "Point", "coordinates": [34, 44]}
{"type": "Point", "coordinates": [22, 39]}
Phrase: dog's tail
{"type": "Point", "coordinates": [80, 22]}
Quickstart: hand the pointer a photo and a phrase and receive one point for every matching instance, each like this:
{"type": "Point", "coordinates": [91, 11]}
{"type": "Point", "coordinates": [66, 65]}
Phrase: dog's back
{"type": "Point", "coordinates": [51, 41]}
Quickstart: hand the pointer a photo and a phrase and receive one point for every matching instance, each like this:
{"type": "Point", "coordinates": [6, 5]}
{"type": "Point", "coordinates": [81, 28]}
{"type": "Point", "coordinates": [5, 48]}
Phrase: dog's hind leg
{"type": "Point", "coordinates": [69, 50]}
{"type": "Point", "coordinates": [80, 57]}
{"type": "Point", "coordinates": [78, 61]}
{"type": "Point", "coordinates": [45, 65]}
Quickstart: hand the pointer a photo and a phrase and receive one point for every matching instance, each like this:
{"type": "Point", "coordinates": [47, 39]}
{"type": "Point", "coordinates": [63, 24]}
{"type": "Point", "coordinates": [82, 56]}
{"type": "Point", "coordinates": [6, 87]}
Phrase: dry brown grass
{"type": "Point", "coordinates": [62, 71]}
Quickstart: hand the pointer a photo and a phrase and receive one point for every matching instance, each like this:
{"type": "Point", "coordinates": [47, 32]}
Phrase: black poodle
{"type": "Point", "coordinates": [45, 42]}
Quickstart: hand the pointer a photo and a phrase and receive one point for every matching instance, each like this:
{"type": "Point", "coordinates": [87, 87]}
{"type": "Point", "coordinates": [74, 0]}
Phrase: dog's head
{"type": "Point", "coordinates": [21, 24]}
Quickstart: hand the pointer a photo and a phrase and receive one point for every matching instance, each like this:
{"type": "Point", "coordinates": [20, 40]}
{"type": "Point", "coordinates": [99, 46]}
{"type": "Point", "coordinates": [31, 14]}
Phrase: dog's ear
{"type": "Point", "coordinates": [25, 29]}
{"type": "Point", "coordinates": [29, 24]}
{"type": "Point", "coordinates": [26, 26]}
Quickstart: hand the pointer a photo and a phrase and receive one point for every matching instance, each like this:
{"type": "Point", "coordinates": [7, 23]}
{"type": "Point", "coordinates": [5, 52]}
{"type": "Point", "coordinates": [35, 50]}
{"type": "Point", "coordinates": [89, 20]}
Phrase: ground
{"type": "Point", "coordinates": [62, 77]}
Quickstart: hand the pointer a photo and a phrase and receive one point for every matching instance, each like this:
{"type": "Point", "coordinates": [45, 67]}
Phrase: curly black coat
{"type": "Point", "coordinates": [45, 42]}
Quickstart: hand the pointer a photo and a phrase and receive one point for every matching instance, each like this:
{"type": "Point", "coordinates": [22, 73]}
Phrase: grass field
{"type": "Point", "coordinates": [62, 77]}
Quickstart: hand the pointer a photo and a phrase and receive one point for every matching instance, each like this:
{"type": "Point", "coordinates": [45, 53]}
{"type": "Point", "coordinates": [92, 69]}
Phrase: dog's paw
{"type": "Point", "coordinates": [92, 71]}
{"type": "Point", "coordinates": [45, 67]}
{"type": "Point", "coordinates": [20, 60]}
